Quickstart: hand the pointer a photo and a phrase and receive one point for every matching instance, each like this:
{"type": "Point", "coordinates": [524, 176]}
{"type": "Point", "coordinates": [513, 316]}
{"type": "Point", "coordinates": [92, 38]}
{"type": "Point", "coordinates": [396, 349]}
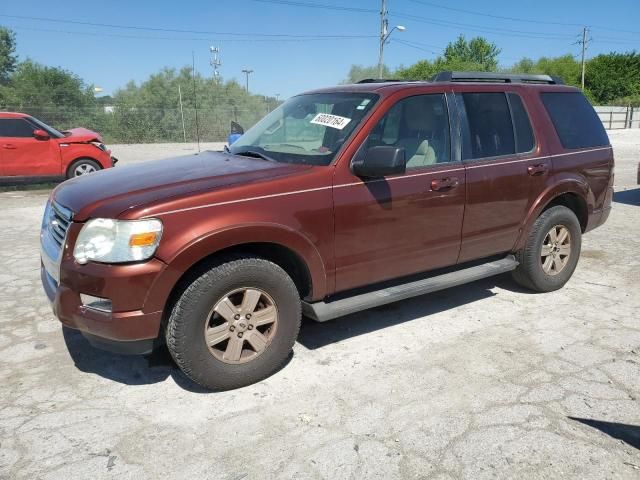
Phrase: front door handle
{"type": "Point", "coordinates": [9, 146]}
{"type": "Point", "coordinates": [444, 184]}
{"type": "Point", "coordinates": [536, 170]}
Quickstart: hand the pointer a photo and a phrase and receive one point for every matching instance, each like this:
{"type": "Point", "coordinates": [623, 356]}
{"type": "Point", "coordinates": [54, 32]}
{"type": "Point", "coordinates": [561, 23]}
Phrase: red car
{"type": "Point", "coordinates": [32, 150]}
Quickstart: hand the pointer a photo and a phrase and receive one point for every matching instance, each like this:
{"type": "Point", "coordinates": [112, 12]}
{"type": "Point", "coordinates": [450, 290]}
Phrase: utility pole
{"type": "Point", "coordinates": [584, 48]}
{"type": "Point", "coordinates": [195, 96]}
{"type": "Point", "coordinates": [383, 36]}
{"type": "Point", "coordinates": [184, 130]}
{"type": "Point", "coordinates": [247, 72]}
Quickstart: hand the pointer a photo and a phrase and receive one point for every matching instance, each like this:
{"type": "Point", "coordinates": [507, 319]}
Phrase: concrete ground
{"type": "Point", "coordinates": [484, 381]}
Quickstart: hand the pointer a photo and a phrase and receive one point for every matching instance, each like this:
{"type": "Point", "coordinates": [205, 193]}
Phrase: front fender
{"type": "Point", "coordinates": [210, 243]}
{"type": "Point", "coordinates": [554, 188]}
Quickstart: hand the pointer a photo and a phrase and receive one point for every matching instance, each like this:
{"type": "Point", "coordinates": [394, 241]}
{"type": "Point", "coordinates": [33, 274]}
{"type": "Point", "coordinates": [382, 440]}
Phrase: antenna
{"type": "Point", "coordinates": [215, 62]}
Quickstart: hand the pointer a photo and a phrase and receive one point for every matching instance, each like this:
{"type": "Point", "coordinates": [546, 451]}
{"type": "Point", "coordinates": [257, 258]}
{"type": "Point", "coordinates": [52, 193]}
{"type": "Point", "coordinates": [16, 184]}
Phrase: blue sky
{"type": "Point", "coordinates": [109, 57]}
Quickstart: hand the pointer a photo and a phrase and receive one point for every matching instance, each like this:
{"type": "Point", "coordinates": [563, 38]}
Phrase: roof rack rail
{"type": "Point", "coordinates": [380, 80]}
{"type": "Point", "coordinates": [496, 77]}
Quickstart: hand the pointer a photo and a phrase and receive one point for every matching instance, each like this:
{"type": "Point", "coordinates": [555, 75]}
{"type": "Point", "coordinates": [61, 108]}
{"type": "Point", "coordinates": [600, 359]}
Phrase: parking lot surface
{"type": "Point", "coordinates": [482, 381]}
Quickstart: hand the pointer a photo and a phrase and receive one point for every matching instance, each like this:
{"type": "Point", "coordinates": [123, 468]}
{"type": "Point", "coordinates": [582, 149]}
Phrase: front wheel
{"type": "Point", "coordinates": [82, 166]}
{"type": "Point", "coordinates": [235, 324]}
{"type": "Point", "coordinates": [551, 252]}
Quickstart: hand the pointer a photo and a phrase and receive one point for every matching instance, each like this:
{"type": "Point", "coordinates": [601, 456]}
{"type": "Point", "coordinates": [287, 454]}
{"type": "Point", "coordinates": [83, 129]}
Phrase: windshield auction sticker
{"type": "Point", "coordinates": [333, 121]}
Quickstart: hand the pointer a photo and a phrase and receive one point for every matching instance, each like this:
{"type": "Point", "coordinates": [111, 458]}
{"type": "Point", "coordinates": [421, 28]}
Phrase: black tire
{"type": "Point", "coordinates": [530, 273]}
{"type": "Point", "coordinates": [72, 170]}
{"type": "Point", "coordinates": [185, 331]}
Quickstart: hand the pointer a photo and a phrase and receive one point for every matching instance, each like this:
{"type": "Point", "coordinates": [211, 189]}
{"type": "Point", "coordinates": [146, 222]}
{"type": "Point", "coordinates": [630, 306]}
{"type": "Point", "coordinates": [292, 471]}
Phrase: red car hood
{"type": "Point", "coordinates": [81, 135]}
{"type": "Point", "coordinates": [110, 192]}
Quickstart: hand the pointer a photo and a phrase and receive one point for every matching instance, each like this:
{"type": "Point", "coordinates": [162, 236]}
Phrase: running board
{"type": "Point", "coordinates": [323, 311]}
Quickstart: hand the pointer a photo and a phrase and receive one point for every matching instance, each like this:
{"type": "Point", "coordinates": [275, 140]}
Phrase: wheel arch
{"type": "Point", "coordinates": [571, 193]}
{"type": "Point", "coordinates": [295, 254]}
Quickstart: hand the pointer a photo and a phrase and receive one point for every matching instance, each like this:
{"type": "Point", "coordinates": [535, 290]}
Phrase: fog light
{"type": "Point", "coordinates": [97, 303]}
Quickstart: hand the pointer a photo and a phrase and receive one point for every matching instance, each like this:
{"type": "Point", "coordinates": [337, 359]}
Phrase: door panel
{"type": "Point", "coordinates": [498, 197]}
{"type": "Point", "coordinates": [28, 156]}
{"type": "Point", "coordinates": [397, 226]}
{"type": "Point", "coordinates": [500, 188]}
{"type": "Point", "coordinates": [22, 154]}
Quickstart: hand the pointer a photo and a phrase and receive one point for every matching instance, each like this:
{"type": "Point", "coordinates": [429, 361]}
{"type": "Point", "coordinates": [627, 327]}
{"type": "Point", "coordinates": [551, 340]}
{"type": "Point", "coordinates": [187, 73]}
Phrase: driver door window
{"type": "Point", "coordinates": [420, 125]}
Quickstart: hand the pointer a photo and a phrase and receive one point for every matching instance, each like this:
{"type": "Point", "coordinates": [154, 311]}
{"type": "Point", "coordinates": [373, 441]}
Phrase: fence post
{"type": "Point", "coordinates": [610, 118]}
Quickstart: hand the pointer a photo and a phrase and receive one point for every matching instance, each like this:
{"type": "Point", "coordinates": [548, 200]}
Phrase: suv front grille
{"type": "Point", "coordinates": [58, 222]}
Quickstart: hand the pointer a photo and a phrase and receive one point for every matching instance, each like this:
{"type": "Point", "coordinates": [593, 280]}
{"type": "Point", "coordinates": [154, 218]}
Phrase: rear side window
{"type": "Point", "coordinates": [490, 128]}
{"type": "Point", "coordinates": [521, 124]}
{"type": "Point", "coordinates": [15, 127]}
{"type": "Point", "coordinates": [575, 120]}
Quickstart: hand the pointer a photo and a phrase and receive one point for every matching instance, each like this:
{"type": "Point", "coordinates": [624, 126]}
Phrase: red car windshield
{"type": "Point", "coordinates": [50, 130]}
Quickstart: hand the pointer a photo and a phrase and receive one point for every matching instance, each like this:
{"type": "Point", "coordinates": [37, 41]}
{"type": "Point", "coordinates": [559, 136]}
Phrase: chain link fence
{"type": "Point", "coordinates": [126, 124]}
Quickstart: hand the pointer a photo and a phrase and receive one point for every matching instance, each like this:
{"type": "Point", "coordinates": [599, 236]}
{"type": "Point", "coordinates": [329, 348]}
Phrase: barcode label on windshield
{"type": "Point", "coordinates": [333, 121]}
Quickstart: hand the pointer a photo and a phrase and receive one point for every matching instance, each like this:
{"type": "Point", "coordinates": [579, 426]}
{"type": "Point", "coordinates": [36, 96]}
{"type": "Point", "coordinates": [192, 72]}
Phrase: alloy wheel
{"type": "Point", "coordinates": [241, 325]}
{"type": "Point", "coordinates": [83, 169]}
{"type": "Point", "coordinates": [556, 250]}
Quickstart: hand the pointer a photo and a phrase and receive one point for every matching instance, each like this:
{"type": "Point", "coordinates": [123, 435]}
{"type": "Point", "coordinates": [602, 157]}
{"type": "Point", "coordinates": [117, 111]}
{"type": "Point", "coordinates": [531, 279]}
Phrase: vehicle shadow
{"type": "Point", "coordinates": [627, 433]}
{"type": "Point", "coordinates": [126, 369]}
{"type": "Point", "coordinates": [158, 366]}
{"type": "Point", "coordinates": [315, 335]}
{"type": "Point", "coordinates": [129, 369]}
{"type": "Point", "coordinates": [628, 197]}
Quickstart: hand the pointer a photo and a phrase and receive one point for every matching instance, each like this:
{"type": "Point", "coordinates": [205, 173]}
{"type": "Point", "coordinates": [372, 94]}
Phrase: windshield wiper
{"type": "Point", "coordinates": [255, 154]}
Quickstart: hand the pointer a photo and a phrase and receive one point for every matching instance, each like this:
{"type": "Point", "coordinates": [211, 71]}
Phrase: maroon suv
{"type": "Point", "coordinates": [340, 200]}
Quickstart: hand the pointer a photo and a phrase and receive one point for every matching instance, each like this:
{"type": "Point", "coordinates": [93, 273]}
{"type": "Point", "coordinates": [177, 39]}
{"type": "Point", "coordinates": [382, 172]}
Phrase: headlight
{"type": "Point", "coordinates": [100, 145]}
{"type": "Point", "coordinates": [117, 241]}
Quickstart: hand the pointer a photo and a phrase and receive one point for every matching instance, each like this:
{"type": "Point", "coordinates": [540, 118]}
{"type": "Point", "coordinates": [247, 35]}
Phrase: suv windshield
{"type": "Point", "coordinates": [306, 129]}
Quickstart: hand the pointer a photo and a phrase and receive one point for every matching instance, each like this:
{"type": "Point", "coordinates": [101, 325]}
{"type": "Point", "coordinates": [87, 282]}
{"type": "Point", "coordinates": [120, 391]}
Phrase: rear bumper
{"type": "Point", "coordinates": [598, 217]}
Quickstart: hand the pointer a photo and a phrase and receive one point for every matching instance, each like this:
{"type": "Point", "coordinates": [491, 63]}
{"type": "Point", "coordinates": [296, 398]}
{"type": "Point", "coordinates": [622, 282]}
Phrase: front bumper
{"type": "Point", "coordinates": [127, 327]}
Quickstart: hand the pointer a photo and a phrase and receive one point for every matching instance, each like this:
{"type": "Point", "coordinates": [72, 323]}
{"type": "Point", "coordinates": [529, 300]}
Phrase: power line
{"type": "Point", "coordinates": [322, 6]}
{"type": "Point", "coordinates": [481, 28]}
{"type": "Point", "coordinates": [517, 19]}
{"type": "Point", "coordinates": [199, 39]}
{"type": "Point", "coordinates": [173, 30]}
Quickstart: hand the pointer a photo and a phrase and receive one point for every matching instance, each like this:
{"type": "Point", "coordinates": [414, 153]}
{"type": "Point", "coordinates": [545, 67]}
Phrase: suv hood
{"type": "Point", "coordinates": [80, 135]}
{"type": "Point", "coordinates": [110, 192]}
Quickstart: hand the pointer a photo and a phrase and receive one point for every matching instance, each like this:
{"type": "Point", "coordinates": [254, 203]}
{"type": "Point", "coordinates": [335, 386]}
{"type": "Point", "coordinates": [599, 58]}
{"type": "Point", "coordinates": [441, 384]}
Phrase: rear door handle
{"type": "Point", "coordinates": [444, 184]}
{"type": "Point", "coordinates": [536, 170]}
{"type": "Point", "coordinates": [9, 146]}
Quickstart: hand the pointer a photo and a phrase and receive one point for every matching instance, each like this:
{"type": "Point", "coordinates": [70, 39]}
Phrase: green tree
{"type": "Point", "coordinates": [565, 67]}
{"type": "Point", "coordinates": [55, 95]}
{"type": "Point", "coordinates": [361, 72]}
{"type": "Point", "coordinates": [477, 54]}
{"type": "Point", "coordinates": [612, 76]}
{"type": "Point", "coordinates": [8, 58]}
{"type": "Point", "coordinates": [477, 51]}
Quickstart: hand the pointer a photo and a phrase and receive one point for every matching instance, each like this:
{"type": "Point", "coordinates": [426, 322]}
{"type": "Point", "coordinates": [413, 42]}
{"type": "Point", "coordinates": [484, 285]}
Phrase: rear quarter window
{"type": "Point", "coordinates": [575, 120]}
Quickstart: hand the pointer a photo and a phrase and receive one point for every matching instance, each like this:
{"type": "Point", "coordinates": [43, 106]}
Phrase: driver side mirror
{"type": "Point", "coordinates": [40, 134]}
{"type": "Point", "coordinates": [379, 161]}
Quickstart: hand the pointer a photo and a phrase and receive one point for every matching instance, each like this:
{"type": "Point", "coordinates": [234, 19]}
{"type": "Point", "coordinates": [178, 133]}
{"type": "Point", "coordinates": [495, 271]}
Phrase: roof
{"type": "Point", "coordinates": [13, 115]}
{"type": "Point", "coordinates": [498, 80]}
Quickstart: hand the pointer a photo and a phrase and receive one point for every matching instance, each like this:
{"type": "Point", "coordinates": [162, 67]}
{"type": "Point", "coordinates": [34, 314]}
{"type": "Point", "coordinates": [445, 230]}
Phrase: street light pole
{"type": "Point", "coordinates": [384, 35]}
{"type": "Point", "coordinates": [247, 72]}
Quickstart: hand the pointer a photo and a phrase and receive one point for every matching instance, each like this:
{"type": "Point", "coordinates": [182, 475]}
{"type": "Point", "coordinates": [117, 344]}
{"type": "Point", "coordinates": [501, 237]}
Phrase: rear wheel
{"type": "Point", "coordinates": [83, 166]}
{"type": "Point", "coordinates": [235, 324]}
{"type": "Point", "coordinates": [551, 253]}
